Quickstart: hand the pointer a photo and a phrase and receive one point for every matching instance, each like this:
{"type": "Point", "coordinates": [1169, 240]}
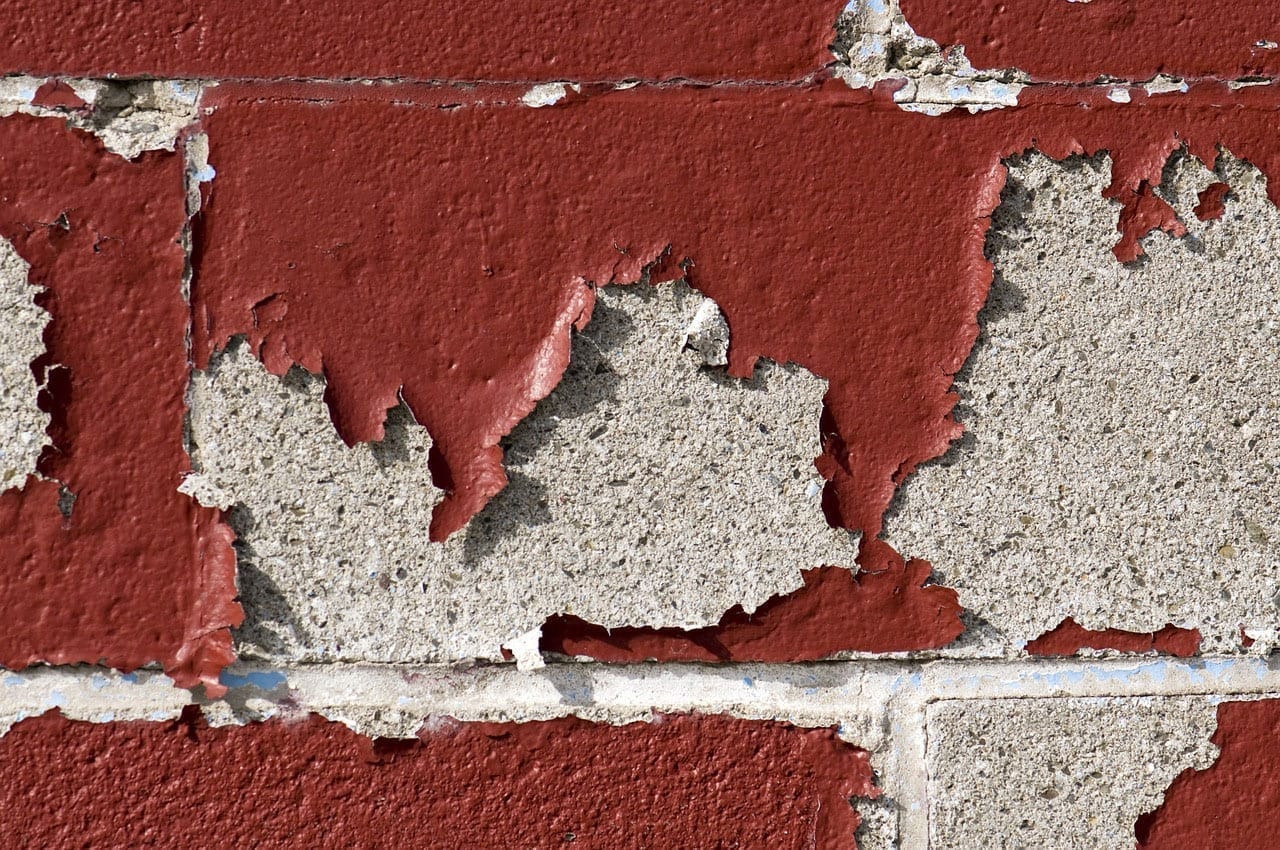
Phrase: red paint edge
{"type": "Point", "coordinates": [1070, 637]}
{"type": "Point", "coordinates": [890, 608]}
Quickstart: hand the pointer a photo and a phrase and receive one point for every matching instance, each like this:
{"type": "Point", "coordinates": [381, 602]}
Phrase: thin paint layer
{"type": "Point", "coordinates": [1212, 201]}
{"type": "Point", "coordinates": [889, 610]}
{"type": "Point", "coordinates": [1125, 39]}
{"type": "Point", "coordinates": [424, 40]}
{"type": "Point", "coordinates": [679, 781]}
{"type": "Point", "coordinates": [412, 255]}
{"type": "Point", "coordinates": [103, 561]}
{"type": "Point", "coordinates": [1235, 803]}
{"type": "Point", "coordinates": [56, 94]}
{"type": "Point", "coordinates": [1070, 637]}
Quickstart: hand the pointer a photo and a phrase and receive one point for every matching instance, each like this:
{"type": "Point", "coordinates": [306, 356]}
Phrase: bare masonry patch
{"type": "Point", "coordinates": [1123, 421]}
{"type": "Point", "coordinates": [648, 489]}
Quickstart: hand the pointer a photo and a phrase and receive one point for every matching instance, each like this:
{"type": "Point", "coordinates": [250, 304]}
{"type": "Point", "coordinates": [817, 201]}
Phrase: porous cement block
{"type": "Point", "coordinates": [1123, 422]}
{"type": "Point", "coordinates": [1057, 774]}
{"type": "Point", "coordinates": [648, 489]}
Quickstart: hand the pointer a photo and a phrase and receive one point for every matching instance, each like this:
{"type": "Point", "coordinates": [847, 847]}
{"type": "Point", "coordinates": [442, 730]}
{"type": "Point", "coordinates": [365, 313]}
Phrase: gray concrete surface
{"type": "Point", "coordinates": [1057, 774]}
{"type": "Point", "coordinates": [1123, 422]}
{"type": "Point", "coordinates": [22, 422]}
{"type": "Point", "coordinates": [648, 489]}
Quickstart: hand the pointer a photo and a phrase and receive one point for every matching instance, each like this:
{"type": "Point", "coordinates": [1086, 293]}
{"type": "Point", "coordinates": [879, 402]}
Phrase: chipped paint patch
{"type": "Point", "coordinates": [1072, 774]}
{"type": "Point", "coordinates": [1069, 638]}
{"type": "Point", "coordinates": [22, 324]}
{"type": "Point", "coordinates": [648, 489]}
{"type": "Point", "coordinates": [1124, 421]}
{"type": "Point", "coordinates": [877, 45]}
{"type": "Point", "coordinates": [129, 117]}
{"type": "Point", "coordinates": [547, 94]}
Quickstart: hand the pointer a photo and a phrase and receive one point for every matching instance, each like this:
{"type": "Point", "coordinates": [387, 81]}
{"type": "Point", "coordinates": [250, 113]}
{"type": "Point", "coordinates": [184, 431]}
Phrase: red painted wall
{"type": "Point", "coordinates": [1126, 39]}
{"type": "Point", "coordinates": [423, 39]}
{"type": "Point", "coordinates": [134, 572]}
{"type": "Point", "coordinates": [679, 781]}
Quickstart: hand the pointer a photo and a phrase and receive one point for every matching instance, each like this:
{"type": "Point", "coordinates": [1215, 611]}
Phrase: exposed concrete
{"type": "Point", "coordinates": [129, 117]}
{"type": "Point", "coordinates": [1124, 422]}
{"type": "Point", "coordinates": [875, 43]}
{"type": "Point", "coordinates": [1058, 774]}
{"type": "Point", "coordinates": [647, 489]}
{"type": "Point", "coordinates": [22, 422]}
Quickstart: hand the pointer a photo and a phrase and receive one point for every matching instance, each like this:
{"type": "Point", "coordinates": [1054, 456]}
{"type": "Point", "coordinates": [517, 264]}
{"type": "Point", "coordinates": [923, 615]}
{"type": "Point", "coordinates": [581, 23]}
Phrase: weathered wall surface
{"type": "Point", "coordinates": [640, 427]}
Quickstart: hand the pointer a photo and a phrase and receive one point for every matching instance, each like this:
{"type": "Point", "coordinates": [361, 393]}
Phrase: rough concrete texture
{"type": "Point", "coordinates": [1057, 774]}
{"type": "Point", "coordinates": [128, 116]}
{"type": "Point", "coordinates": [875, 44]}
{"type": "Point", "coordinates": [648, 489]}
{"type": "Point", "coordinates": [1122, 420]}
{"type": "Point", "coordinates": [22, 422]}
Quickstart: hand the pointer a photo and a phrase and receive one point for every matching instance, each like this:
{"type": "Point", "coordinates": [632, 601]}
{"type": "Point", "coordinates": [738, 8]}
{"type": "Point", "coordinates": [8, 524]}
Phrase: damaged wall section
{"type": "Point", "coordinates": [649, 488]}
{"type": "Point", "coordinates": [1123, 421]}
{"type": "Point", "coordinates": [22, 323]}
{"type": "Point", "coordinates": [101, 560]}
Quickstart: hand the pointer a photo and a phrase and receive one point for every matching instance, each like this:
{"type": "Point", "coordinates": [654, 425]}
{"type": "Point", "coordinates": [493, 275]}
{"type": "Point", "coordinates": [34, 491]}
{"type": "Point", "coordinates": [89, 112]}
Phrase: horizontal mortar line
{"type": "Point", "coordinates": [992, 75]}
{"type": "Point", "coordinates": [465, 82]}
{"type": "Point", "coordinates": [831, 689]}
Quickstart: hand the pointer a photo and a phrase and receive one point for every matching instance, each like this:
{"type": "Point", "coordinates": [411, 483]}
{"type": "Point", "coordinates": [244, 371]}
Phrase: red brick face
{"type": "Point", "coordinates": [424, 40]}
{"type": "Point", "coordinates": [102, 559]}
{"type": "Point", "coordinates": [679, 781]}
{"type": "Point", "coordinates": [1083, 41]}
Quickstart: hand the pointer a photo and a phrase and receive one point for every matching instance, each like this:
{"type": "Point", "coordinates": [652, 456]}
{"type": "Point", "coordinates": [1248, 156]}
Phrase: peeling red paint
{"type": "Point", "coordinates": [413, 253]}
{"type": "Point", "coordinates": [137, 572]}
{"type": "Point", "coordinates": [55, 94]}
{"type": "Point", "coordinates": [888, 610]}
{"type": "Point", "coordinates": [423, 39]}
{"type": "Point", "coordinates": [1212, 204]}
{"type": "Point", "coordinates": [1235, 803]}
{"type": "Point", "coordinates": [1070, 637]}
{"type": "Point", "coordinates": [1144, 212]}
{"type": "Point", "coordinates": [1125, 39]}
{"type": "Point", "coordinates": [680, 781]}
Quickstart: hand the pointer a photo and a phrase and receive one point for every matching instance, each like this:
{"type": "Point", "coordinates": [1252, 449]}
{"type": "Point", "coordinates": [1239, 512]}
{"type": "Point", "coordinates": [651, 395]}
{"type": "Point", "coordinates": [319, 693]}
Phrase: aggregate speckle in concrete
{"type": "Point", "coordinates": [648, 489]}
{"type": "Point", "coordinates": [1123, 422]}
{"type": "Point", "coordinates": [22, 323]}
{"type": "Point", "coordinates": [1058, 774]}
{"type": "Point", "coordinates": [875, 43]}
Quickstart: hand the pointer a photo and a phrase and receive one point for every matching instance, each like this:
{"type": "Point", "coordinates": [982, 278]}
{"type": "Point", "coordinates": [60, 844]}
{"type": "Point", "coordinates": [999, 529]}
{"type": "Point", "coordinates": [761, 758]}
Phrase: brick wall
{"type": "Point", "coordinates": [666, 426]}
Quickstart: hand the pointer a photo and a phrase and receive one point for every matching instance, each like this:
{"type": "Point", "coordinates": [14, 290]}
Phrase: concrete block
{"type": "Point", "coordinates": [648, 489]}
{"type": "Point", "coordinates": [1123, 421]}
{"type": "Point", "coordinates": [1056, 773]}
